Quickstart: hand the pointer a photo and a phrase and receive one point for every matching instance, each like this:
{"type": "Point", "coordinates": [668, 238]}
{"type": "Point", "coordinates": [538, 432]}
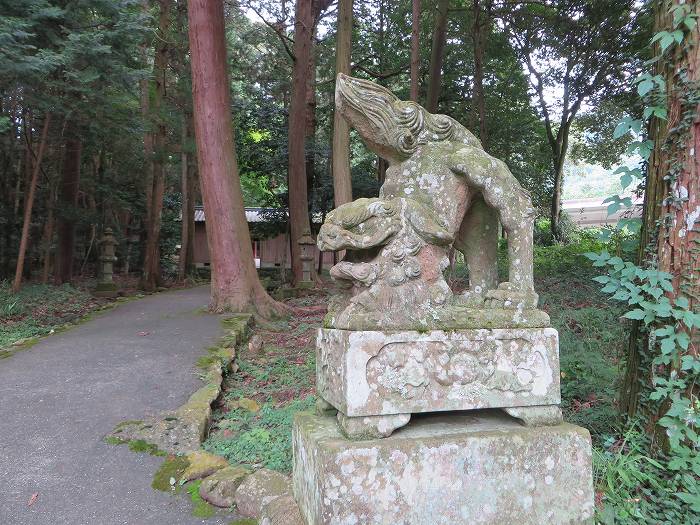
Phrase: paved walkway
{"type": "Point", "coordinates": [60, 397]}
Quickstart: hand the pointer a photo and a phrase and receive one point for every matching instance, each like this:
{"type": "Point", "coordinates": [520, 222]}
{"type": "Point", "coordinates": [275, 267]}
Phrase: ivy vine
{"type": "Point", "coordinates": [669, 322]}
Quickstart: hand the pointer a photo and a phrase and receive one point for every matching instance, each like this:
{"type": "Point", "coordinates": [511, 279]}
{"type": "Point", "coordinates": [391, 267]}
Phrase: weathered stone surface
{"type": "Point", "coordinates": [255, 344]}
{"type": "Point", "coordinates": [483, 468]}
{"type": "Point", "coordinates": [324, 408]}
{"type": "Point", "coordinates": [219, 489]}
{"type": "Point", "coordinates": [259, 488]}
{"type": "Point", "coordinates": [536, 415]}
{"type": "Point", "coordinates": [441, 190]}
{"type": "Point", "coordinates": [370, 427]}
{"type": "Point", "coordinates": [202, 464]}
{"type": "Point", "coordinates": [282, 511]}
{"type": "Point", "coordinates": [373, 373]}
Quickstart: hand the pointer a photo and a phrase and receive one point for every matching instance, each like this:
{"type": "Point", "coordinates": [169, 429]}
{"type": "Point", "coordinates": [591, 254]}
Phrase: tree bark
{"type": "Point", "coordinates": [298, 187]}
{"type": "Point", "coordinates": [48, 238]}
{"type": "Point", "coordinates": [340, 150]}
{"type": "Point", "coordinates": [68, 198]}
{"type": "Point", "coordinates": [310, 128]}
{"type": "Point", "coordinates": [24, 239]}
{"type": "Point", "coordinates": [559, 152]}
{"type": "Point", "coordinates": [151, 267]}
{"type": "Point", "coordinates": [670, 233]}
{"type": "Point", "coordinates": [187, 222]}
{"type": "Point", "coordinates": [481, 21]}
{"type": "Point", "coordinates": [437, 54]}
{"type": "Point", "coordinates": [235, 285]}
{"type": "Point", "coordinates": [415, 50]}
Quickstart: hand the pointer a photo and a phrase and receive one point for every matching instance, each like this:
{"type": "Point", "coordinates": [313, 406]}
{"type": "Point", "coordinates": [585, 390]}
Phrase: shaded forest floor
{"type": "Point", "coordinates": [41, 309]}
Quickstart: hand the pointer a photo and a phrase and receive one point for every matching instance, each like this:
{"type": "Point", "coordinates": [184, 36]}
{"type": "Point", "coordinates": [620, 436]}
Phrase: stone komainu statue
{"type": "Point", "coordinates": [441, 190]}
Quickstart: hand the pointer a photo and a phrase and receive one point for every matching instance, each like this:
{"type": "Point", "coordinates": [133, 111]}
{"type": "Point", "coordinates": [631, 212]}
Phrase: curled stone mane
{"type": "Point", "coordinates": [406, 123]}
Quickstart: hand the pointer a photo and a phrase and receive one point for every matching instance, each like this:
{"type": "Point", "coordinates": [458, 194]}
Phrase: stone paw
{"type": "Point", "coordinates": [509, 296]}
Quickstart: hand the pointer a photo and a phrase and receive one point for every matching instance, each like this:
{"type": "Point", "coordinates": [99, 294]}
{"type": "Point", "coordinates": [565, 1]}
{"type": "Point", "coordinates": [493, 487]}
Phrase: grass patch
{"type": "Point", "coordinates": [171, 469]}
{"type": "Point", "coordinates": [280, 381]}
{"type": "Point", "coordinates": [200, 508]}
{"type": "Point", "coordinates": [40, 309]}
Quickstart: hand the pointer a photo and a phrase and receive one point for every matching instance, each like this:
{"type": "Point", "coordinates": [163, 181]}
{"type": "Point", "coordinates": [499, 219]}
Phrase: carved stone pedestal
{"type": "Point", "coordinates": [481, 467]}
{"type": "Point", "coordinates": [380, 378]}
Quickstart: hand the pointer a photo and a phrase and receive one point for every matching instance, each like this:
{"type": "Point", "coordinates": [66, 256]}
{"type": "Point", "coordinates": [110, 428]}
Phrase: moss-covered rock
{"type": "Point", "coordinates": [282, 511]}
{"type": "Point", "coordinates": [260, 488]}
{"type": "Point", "coordinates": [202, 464]}
{"type": "Point", "coordinates": [220, 488]}
{"type": "Point", "coordinates": [170, 471]}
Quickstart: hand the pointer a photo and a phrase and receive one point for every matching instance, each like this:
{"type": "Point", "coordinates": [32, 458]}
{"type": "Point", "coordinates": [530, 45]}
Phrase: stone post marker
{"type": "Point", "coordinates": [106, 287]}
{"type": "Point", "coordinates": [435, 407]}
{"type": "Point", "coordinates": [306, 243]}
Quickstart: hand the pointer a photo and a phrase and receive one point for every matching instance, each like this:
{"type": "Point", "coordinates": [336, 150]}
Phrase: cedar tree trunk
{"type": "Point", "coordinates": [68, 198]}
{"type": "Point", "coordinates": [340, 150]}
{"type": "Point", "coordinates": [437, 54]}
{"type": "Point", "coordinates": [234, 285]}
{"type": "Point", "coordinates": [28, 205]}
{"type": "Point", "coordinates": [151, 278]}
{"type": "Point", "coordinates": [415, 50]}
{"type": "Point", "coordinates": [670, 226]}
{"type": "Point", "coordinates": [297, 181]}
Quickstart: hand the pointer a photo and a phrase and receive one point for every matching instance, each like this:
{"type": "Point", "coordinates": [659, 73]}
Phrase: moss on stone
{"type": "Point", "coordinates": [203, 464]}
{"type": "Point", "coordinates": [200, 508]}
{"type": "Point", "coordinates": [171, 469]}
{"type": "Point", "coordinates": [114, 440]}
{"type": "Point", "coordinates": [140, 445]}
{"type": "Point", "coordinates": [129, 422]}
{"type": "Point", "coordinates": [244, 521]}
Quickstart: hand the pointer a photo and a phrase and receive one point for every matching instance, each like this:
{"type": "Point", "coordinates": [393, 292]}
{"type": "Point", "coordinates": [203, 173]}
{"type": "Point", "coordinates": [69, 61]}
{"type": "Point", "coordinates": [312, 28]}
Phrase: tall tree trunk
{"type": "Point", "coordinates": [415, 50]}
{"type": "Point", "coordinates": [48, 237]}
{"type": "Point", "coordinates": [559, 156]}
{"type": "Point", "coordinates": [310, 131]}
{"type": "Point", "coordinates": [187, 223]}
{"type": "Point", "coordinates": [235, 285]}
{"type": "Point", "coordinates": [670, 233]}
{"type": "Point", "coordinates": [340, 151]}
{"type": "Point", "coordinates": [481, 23]}
{"type": "Point", "coordinates": [145, 87]}
{"type": "Point", "coordinates": [298, 188]}
{"type": "Point", "coordinates": [68, 199]}
{"type": "Point", "coordinates": [28, 205]}
{"type": "Point", "coordinates": [151, 267]}
{"type": "Point", "coordinates": [437, 54]}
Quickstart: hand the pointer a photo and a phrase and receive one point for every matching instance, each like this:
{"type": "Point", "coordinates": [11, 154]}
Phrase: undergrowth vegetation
{"type": "Point", "coordinates": [252, 424]}
{"type": "Point", "coordinates": [38, 309]}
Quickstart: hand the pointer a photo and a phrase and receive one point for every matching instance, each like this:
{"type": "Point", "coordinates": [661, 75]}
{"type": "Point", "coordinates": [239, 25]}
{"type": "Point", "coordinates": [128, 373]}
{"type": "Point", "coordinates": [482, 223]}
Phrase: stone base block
{"type": "Point", "coordinates": [373, 373]}
{"type": "Point", "coordinates": [472, 468]}
{"type": "Point", "coordinates": [106, 289]}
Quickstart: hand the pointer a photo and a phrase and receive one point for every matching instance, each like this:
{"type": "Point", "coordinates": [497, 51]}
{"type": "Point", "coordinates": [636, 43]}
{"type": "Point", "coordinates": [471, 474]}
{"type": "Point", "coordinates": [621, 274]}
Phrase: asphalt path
{"type": "Point", "coordinates": [59, 398]}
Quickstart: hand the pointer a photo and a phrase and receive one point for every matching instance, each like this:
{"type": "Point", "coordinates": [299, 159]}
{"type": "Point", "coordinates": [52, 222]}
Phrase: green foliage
{"type": "Point", "coordinates": [636, 487]}
{"type": "Point", "coordinates": [674, 370]}
{"type": "Point", "coordinates": [591, 339]}
{"type": "Point", "coordinates": [570, 233]}
{"type": "Point", "coordinates": [280, 382]}
{"type": "Point", "coordinates": [261, 439]}
{"type": "Point", "coordinates": [38, 309]}
{"type": "Point", "coordinates": [200, 508]}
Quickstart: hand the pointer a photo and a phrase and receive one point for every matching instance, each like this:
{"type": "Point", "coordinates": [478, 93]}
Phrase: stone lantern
{"type": "Point", "coordinates": [106, 287]}
{"type": "Point", "coordinates": [306, 247]}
